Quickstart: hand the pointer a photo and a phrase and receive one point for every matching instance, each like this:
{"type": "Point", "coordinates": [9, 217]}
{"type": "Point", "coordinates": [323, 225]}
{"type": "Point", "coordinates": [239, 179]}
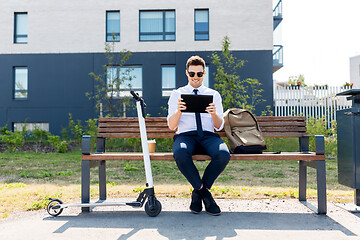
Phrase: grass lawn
{"type": "Point", "coordinates": [27, 180]}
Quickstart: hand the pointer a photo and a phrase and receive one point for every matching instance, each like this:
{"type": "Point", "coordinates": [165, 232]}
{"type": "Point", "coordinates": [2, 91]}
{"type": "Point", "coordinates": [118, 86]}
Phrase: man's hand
{"type": "Point", "coordinates": [211, 109]}
{"type": "Point", "coordinates": [181, 105]}
{"type": "Point", "coordinates": [174, 119]}
{"type": "Point", "coordinates": [217, 120]}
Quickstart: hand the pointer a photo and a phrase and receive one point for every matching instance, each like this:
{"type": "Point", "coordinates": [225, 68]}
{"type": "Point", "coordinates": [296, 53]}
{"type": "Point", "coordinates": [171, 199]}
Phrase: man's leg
{"type": "Point", "coordinates": [220, 156]}
{"type": "Point", "coordinates": [183, 149]}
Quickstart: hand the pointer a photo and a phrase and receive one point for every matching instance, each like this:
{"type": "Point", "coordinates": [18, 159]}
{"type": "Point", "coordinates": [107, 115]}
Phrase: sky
{"type": "Point", "coordinates": [318, 38]}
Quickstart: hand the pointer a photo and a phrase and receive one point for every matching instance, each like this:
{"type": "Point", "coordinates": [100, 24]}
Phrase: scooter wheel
{"type": "Point", "coordinates": [52, 209]}
{"type": "Point", "coordinates": [155, 210]}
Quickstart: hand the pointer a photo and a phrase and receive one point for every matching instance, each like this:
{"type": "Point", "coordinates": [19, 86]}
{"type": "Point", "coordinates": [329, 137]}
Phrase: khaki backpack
{"type": "Point", "coordinates": [243, 132]}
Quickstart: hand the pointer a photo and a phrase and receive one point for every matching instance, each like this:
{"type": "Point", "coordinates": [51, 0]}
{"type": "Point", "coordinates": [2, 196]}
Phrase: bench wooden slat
{"type": "Point", "coordinates": [165, 130]}
{"type": "Point", "coordinates": [164, 124]}
{"type": "Point", "coordinates": [274, 134]}
{"type": "Point", "coordinates": [280, 124]}
{"type": "Point", "coordinates": [171, 134]}
{"type": "Point", "coordinates": [136, 135]}
{"type": "Point", "coordinates": [284, 134]}
{"type": "Point", "coordinates": [163, 119]}
{"type": "Point", "coordinates": [283, 129]}
{"type": "Point", "coordinates": [285, 118]}
{"type": "Point", "coordinates": [284, 156]}
{"type": "Point", "coordinates": [134, 130]}
{"type": "Point", "coordinates": [264, 127]}
{"type": "Point", "coordinates": [131, 124]}
{"type": "Point", "coordinates": [131, 119]}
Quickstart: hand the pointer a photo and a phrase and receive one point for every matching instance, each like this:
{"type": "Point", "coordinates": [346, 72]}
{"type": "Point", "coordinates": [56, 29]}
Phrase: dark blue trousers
{"type": "Point", "coordinates": [188, 144]}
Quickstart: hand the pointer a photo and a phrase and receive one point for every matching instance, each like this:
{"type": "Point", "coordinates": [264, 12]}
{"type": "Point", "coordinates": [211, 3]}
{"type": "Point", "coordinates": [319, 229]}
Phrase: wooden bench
{"type": "Point", "coordinates": [273, 127]}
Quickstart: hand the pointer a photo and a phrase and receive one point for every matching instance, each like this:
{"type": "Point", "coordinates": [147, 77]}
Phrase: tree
{"type": "Point", "coordinates": [110, 85]}
{"type": "Point", "coordinates": [235, 92]}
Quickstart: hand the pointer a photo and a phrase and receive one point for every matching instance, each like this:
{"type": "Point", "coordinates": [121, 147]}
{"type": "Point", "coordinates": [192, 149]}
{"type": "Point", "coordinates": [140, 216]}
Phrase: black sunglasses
{"type": "Point", "coordinates": [199, 74]}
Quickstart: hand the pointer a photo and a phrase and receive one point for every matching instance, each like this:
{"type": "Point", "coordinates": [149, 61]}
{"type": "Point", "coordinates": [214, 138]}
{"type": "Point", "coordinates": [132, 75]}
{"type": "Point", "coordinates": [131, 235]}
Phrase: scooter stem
{"type": "Point", "coordinates": [144, 144]}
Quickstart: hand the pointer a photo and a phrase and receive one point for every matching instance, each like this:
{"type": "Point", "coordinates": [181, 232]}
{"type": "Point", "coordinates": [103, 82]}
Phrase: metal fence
{"type": "Point", "coordinates": [311, 101]}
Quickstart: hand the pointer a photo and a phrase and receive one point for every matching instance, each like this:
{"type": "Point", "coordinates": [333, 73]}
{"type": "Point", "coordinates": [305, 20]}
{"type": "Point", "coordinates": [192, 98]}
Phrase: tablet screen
{"type": "Point", "coordinates": [196, 103]}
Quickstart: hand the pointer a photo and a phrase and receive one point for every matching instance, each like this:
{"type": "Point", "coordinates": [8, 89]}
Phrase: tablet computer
{"type": "Point", "coordinates": [196, 103]}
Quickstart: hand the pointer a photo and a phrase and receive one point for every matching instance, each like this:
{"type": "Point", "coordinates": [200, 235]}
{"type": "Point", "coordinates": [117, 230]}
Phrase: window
{"type": "Point", "coordinates": [18, 126]}
{"type": "Point", "coordinates": [206, 77]}
{"type": "Point", "coordinates": [157, 25]}
{"type": "Point", "coordinates": [201, 24]}
{"type": "Point", "coordinates": [21, 82]}
{"type": "Point", "coordinates": [113, 26]}
{"type": "Point", "coordinates": [21, 28]}
{"type": "Point", "coordinates": [168, 76]}
{"type": "Point", "coordinates": [123, 75]}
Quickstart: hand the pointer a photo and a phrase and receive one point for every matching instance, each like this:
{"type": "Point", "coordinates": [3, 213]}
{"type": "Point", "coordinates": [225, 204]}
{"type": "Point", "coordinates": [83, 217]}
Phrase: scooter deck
{"type": "Point", "coordinates": [103, 204]}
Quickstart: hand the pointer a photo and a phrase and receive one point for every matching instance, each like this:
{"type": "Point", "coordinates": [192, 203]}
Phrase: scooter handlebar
{"type": "Point", "coordinates": [137, 97]}
{"type": "Point", "coordinates": [142, 102]}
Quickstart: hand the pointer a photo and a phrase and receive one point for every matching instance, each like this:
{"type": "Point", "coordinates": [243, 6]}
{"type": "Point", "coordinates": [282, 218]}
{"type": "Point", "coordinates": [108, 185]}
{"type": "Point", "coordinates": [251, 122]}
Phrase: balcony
{"type": "Point", "coordinates": [277, 14]}
{"type": "Point", "coordinates": [277, 57]}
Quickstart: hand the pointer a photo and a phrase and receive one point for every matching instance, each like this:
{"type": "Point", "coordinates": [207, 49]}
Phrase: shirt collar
{"type": "Point", "coordinates": [201, 88]}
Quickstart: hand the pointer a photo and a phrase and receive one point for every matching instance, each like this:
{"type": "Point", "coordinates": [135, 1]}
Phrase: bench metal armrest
{"type": "Point", "coordinates": [86, 144]}
{"type": "Point", "coordinates": [319, 144]}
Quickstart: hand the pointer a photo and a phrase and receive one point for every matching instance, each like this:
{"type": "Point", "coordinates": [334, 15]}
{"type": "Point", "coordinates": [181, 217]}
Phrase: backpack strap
{"type": "Point", "coordinates": [257, 124]}
{"type": "Point", "coordinates": [227, 126]}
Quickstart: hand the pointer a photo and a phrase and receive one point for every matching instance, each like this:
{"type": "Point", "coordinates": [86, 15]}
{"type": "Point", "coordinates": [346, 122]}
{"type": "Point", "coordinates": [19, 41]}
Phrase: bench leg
{"type": "Point", "coordinates": [85, 184]}
{"type": "Point", "coordinates": [321, 186]}
{"type": "Point", "coordinates": [102, 179]}
{"type": "Point", "coordinates": [302, 181]}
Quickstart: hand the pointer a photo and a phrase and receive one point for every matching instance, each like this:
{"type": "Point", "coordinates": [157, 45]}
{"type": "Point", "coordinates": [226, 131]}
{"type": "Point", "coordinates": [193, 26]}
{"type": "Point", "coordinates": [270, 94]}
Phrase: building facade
{"type": "Point", "coordinates": [355, 71]}
{"type": "Point", "coordinates": [48, 49]}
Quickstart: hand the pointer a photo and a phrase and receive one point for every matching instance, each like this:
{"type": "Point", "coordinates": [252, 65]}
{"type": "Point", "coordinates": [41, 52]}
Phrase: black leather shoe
{"type": "Point", "coordinates": [196, 204]}
{"type": "Point", "coordinates": [210, 205]}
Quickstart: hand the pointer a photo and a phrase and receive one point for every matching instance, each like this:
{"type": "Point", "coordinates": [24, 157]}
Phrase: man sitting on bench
{"type": "Point", "coordinates": [195, 135]}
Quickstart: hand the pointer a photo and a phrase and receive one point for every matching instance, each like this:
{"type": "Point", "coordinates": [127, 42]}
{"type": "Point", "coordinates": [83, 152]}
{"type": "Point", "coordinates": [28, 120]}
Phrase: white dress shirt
{"type": "Point", "coordinates": [187, 121]}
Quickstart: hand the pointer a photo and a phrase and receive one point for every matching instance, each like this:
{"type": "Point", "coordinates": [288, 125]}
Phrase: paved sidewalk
{"type": "Point", "coordinates": [241, 219]}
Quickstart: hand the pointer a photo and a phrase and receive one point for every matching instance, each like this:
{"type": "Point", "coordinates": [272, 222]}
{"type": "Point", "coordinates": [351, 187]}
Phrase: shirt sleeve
{"type": "Point", "coordinates": [172, 104]}
{"type": "Point", "coordinates": [219, 109]}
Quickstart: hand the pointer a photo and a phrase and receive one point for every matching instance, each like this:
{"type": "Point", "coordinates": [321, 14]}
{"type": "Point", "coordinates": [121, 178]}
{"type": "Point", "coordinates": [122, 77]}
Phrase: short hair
{"type": "Point", "coordinates": [196, 61]}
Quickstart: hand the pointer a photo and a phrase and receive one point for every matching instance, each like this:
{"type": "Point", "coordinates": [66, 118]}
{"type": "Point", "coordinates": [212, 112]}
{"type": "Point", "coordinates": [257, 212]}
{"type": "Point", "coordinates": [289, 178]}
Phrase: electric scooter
{"type": "Point", "coordinates": [152, 206]}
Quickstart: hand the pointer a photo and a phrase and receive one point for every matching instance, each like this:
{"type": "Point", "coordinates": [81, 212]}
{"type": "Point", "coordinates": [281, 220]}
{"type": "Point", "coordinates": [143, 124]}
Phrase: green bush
{"type": "Point", "coordinates": [134, 144]}
{"type": "Point", "coordinates": [331, 141]}
{"type": "Point", "coordinates": [282, 144]}
{"type": "Point", "coordinates": [91, 127]}
{"type": "Point", "coordinates": [164, 144]}
{"type": "Point", "coordinates": [13, 140]}
{"type": "Point", "coordinates": [124, 144]}
{"type": "Point", "coordinates": [64, 133]}
{"type": "Point", "coordinates": [3, 130]}
{"type": "Point", "coordinates": [318, 127]}
{"type": "Point", "coordinates": [75, 129]}
{"type": "Point", "coordinates": [40, 135]}
{"type": "Point", "coordinates": [60, 146]}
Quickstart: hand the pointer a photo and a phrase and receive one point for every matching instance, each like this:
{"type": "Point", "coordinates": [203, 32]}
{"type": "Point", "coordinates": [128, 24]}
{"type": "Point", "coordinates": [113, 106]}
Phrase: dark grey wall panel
{"type": "Point", "coordinates": [56, 86]}
{"type": "Point", "coordinates": [3, 116]}
{"type": "Point", "coordinates": [58, 83]}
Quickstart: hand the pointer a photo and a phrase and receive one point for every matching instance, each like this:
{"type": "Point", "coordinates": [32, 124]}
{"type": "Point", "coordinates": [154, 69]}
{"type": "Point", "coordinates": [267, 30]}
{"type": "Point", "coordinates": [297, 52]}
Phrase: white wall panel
{"type": "Point", "coordinates": [355, 71]}
{"type": "Point", "coordinates": [79, 26]}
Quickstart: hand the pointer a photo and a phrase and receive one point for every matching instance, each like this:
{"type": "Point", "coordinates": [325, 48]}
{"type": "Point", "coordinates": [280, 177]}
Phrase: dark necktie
{"type": "Point", "coordinates": [198, 119]}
